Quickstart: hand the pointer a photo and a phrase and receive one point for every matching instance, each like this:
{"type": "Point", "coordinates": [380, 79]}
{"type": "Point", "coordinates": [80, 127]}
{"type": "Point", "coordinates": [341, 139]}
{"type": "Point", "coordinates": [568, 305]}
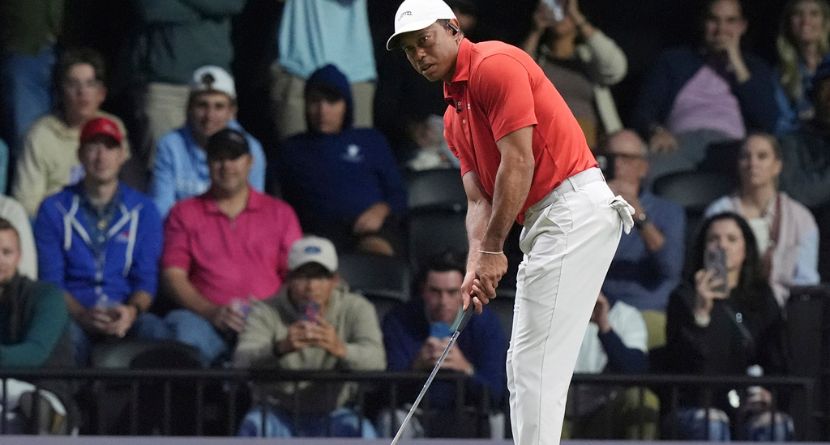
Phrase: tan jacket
{"type": "Point", "coordinates": [49, 160]}
{"type": "Point", "coordinates": [357, 325]}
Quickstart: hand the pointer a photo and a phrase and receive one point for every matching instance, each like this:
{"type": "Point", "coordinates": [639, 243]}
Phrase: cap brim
{"type": "Point", "coordinates": [413, 26]}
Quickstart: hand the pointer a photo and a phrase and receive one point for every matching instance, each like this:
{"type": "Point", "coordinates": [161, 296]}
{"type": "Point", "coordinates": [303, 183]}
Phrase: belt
{"type": "Point", "coordinates": [576, 181]}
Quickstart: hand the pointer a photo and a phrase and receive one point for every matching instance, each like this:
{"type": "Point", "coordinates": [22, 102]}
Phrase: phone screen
{"type": "Point", "coordinates": [715, 261]}
{"type": "Point", "coordinates": [311, 311]}
{"type": "Point", "coordinates": [439, 330]}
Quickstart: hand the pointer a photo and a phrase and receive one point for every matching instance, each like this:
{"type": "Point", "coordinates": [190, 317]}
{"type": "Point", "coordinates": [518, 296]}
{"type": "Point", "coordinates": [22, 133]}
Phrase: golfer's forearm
{"type": "Point", "coordinates": [512, 185]}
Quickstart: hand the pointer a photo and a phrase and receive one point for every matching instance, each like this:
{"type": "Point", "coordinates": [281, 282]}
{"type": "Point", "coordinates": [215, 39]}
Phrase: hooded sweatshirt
{"type": "Point", "coordinates": [333, 178]}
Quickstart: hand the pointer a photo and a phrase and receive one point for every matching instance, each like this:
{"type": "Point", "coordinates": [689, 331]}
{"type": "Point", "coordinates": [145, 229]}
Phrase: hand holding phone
{"type": "Point", "coordinates": [311, 311]}
{"type": "Point", "coordinates": [714, 261]}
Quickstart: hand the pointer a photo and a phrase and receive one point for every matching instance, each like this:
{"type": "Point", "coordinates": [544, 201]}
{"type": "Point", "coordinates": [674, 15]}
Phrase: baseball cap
{"type": "Point", "coordinates": [212, 78]}
{"type": "Point", "coordinates": [227, 144]}
{"type": "Point", "coordinates": [413, 15]}
{"type": "Point", "coordinates": [312, 249]}
{"type": "Point", "coordinates": [101, 126]}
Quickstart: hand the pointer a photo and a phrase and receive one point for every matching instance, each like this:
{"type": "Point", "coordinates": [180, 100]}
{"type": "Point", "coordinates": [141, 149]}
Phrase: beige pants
{"type": "Point", "coordinates": [165, 106]}
{"type": "Point", "coordinates": [288, 102]}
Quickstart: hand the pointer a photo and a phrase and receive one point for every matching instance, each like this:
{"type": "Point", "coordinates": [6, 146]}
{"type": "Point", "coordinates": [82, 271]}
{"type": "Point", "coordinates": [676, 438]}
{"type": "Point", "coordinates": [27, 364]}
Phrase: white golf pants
{"type": "Point", "coordinates": [568, 242]}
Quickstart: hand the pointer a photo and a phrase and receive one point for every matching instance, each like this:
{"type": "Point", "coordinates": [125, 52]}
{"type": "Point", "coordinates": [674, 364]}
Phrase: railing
{"type": "Point", "coordinates": [372, 384]}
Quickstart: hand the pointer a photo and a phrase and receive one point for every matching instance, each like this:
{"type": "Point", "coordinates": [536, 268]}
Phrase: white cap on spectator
{"type": "Point", "coordinates": [312, 249]}
{"type": "Point", "coordinates": [212, 78]}
{"type": "Point", "coordinates": [413, 15]}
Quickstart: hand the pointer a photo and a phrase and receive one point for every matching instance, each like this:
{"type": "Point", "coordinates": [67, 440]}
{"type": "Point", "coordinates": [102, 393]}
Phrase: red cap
{"type": "Point", "coordinates": [101, 126]}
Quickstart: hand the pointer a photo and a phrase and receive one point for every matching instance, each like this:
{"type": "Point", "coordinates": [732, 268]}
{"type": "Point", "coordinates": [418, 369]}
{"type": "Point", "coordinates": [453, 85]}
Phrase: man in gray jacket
{"type": "Point", "coordinates": [314, 323]}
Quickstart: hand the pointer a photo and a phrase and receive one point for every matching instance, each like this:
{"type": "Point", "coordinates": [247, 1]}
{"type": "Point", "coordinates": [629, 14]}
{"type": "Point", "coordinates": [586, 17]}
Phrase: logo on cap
{"type": "Point", "coordinates": [405, 13]}
{"type": "Point", "coordinates": [208, 80]}
{"type": "Point", "coordinates": [311, 250]}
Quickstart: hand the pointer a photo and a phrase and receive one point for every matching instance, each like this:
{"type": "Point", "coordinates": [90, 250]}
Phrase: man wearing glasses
{"type": "Point", "coordinates": [49, 159]}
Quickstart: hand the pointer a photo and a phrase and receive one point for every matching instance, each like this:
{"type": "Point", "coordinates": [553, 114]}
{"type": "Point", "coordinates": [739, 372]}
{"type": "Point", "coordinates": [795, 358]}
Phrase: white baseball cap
{"type": "Point", "coordinates": [312, 249]}
{"type": "Point", "coordinates": [213, 78]}
{"type": "Point", "coordinates": [413, 15]}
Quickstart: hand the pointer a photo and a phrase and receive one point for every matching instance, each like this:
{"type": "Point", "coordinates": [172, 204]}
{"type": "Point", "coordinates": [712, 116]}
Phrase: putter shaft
{"type": "Point", "coordinates": [462, 323]}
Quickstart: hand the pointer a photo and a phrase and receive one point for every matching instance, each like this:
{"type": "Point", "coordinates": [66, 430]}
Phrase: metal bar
{"type": "Point", "coordinates": [167, 409]}
{"type": "Point", "coordinates": [134, 396]}
{"type": "Point", "coordinates": [200, 397]}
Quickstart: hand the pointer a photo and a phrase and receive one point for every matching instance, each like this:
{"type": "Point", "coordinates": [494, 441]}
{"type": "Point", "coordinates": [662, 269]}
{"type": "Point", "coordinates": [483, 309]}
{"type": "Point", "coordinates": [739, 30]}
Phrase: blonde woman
{"type": "Point", "coordinates": [802, 43]}
{"type": "Point", "coordinates": [786, 233]}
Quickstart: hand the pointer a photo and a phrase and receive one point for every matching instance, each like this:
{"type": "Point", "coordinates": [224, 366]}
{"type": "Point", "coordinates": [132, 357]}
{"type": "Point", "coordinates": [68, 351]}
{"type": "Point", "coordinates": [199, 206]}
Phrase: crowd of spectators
{"type": "Point", "coordinates": [135, 205]}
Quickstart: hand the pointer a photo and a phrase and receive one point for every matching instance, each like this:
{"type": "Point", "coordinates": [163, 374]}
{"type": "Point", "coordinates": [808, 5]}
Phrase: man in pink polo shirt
{"type": "Point", "coordinates": [223, 248]}
{"type": "Point", "coordinates": [523, 157]}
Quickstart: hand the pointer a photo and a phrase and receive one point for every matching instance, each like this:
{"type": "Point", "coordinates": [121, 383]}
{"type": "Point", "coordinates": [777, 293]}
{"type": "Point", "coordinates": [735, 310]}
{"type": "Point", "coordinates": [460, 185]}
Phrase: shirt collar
{"type": "Point", "coordinates": [454, 89]}
{"type": "Point", "coordinates": [255, 201]}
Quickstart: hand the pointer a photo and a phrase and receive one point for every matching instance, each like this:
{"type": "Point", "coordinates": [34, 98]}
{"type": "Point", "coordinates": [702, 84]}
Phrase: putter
{"type": "Point", "coordinates": [461, 323]}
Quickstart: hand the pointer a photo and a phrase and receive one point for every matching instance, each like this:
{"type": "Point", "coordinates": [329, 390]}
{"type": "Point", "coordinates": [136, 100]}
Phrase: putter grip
{"type": "Point", "coordinates": [465, 317]}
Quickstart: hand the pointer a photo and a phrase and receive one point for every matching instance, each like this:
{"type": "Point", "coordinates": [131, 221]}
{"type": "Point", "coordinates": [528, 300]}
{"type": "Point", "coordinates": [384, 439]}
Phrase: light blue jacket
{"type": "Point", "coordinates": [180, 169]}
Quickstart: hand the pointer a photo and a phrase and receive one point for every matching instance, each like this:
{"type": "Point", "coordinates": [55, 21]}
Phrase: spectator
{"type": "Point", "coordinates": [696, 96]}
{"type": "Point", "coordinates": [417, 333]}
{"type": "Point", "coordinates": [342, 181]}
{"type": "Point", "coordinates": [100, 242]}
{"type": "Point", "coordinates": [173, 39]}
{"type": "Point", "coordinates": [582, 62]}
{"type": "Point", "coordinates": [722, 320]}
{"type": "Point", "coordinates": [648, 262]}
{"type": "Point", "coordinates": [806, 153]}
{"type": "Point", "coordinates": [33, 333]}
{"type": "Point", "coordinates": [13, 212]}
{"type": "Point", "coordinates": [29, 32]}
{"type": "Point", "coordinates": [802, 43]}
{"type": "Point", "coordinates": [223, 248]}
{"type": "Point", "coordinates": [180, 168]}
{"type": "Point", "coordinates": [311, 34]}
{"type": "Point", "coordinates": [313, 324]}
{"type": "Point", "coordinates": [786, 233]}
{"type": "Point", "coordinates": [615, 342]}
{"type": "Point", "coordinates": [49, 160]}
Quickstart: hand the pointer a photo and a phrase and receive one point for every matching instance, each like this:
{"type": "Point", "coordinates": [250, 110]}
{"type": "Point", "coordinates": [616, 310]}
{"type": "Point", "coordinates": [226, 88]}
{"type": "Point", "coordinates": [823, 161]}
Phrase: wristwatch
{"type": "Point", "coordinates": [640, 219]}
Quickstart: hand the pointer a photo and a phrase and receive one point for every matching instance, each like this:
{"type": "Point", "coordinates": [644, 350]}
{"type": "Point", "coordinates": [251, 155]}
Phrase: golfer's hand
{"type": "Point", "coordinates": [468, 296]}
{"type": "Point", "coordinates": [489, 270]}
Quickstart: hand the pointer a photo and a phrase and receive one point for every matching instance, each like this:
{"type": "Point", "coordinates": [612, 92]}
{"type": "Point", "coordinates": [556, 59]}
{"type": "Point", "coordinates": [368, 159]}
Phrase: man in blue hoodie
{"type": "Point", "coordinates": [100, 241]}
{"type": "Point", "coordinates": [342, 181]}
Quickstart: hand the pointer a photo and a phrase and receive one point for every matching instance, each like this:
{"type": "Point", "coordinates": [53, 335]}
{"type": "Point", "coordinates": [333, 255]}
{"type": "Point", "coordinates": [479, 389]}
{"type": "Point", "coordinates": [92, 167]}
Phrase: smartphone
{"type": "Point", "coordinates": [311, 311]}
{"type": "Point", "coordinates": [556, 7]}
{"type": "Point", "coordinates": [606, 165]}
{"type": "Point", "coordinates": [715, 260]}
{"type": "Point", "coordinates": [439, 329]}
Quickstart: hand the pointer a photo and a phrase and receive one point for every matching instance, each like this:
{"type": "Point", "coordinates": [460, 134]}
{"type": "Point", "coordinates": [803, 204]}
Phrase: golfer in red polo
{"type": "Point", "coordinates": [523, 157]}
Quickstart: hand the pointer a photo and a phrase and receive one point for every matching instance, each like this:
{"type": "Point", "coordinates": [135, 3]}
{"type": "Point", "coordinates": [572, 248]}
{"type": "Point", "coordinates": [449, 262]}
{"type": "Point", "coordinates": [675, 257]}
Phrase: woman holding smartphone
{"type": "Point", "coordinates": [785, 231]}
{"type": "Point", "coordinates": [722, 320]}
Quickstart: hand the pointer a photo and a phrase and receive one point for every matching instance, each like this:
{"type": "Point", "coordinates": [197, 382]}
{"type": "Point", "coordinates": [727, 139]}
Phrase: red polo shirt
{"type": "Point", "coordinates": [231, 258]}
{"type": "Point", "coordinates": [497, 89]}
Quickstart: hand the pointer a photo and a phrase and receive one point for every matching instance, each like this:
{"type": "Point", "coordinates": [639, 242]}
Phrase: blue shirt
{"type": "Point", "coordinates": [125, 260]}
{"type": "Point", "coordinates": [645, 279]}
{"type": "Point", "coordinates": [314, 33]}
{"type": "Point", "coordinates": [335, 177]}
{"type": "Point", "coordinates": [180, 169]}
{"type": "Point", "coordinates": [483, 343]}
